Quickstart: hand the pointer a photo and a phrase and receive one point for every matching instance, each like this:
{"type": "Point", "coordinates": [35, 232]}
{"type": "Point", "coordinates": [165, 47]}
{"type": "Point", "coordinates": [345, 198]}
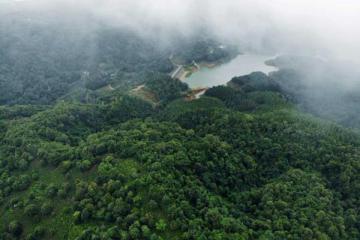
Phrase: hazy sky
{"type": "Point", "coordinates": [320, 26]}
{"type": "Point", "coordinates": [325, 27]}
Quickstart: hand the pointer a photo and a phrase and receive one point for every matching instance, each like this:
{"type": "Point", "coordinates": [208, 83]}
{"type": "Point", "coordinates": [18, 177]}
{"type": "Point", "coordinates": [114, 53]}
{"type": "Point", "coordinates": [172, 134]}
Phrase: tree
{"type": "Point", "coordinates": [161, 225]}
{"type": "Point", "coordinates": [15, 228]}
{"type": "Point", "coordinates": [31, 210]}
{"type": "Point", "coordinates": [46, 209]}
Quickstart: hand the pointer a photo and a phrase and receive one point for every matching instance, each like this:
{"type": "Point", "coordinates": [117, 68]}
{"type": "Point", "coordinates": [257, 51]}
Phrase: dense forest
{"type": "Point", "coordinates": [97, 141]}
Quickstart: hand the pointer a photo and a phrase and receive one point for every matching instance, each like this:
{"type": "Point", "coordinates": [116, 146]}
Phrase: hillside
{"type": "Point", "coordinates": [203, 169]}
{"type": "Point", "coordinates": [97, 141]}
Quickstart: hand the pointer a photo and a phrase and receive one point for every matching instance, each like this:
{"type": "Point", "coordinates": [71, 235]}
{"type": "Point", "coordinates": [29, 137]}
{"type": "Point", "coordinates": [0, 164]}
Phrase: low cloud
{"type": "Point", "coordinates": [324, 27]}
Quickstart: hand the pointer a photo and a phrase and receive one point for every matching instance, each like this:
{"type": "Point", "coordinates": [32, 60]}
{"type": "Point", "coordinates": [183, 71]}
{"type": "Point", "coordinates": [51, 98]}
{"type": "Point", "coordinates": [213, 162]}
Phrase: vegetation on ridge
{"type": "Point", "coordinates": [83, 158]}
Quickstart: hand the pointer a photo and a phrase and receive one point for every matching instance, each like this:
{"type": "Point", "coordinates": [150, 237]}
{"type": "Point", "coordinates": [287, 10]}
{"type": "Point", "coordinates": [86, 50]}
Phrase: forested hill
{"type": "Point", "coordinates": [44, 58]}
{"type": "Point", "coordinates": [111, 148]}
{"type": "Point", "coordinates": [41, 62]}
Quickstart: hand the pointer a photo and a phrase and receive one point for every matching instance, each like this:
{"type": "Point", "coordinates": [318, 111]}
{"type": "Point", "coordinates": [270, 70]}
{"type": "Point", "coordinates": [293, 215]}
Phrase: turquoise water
{"type": "Point", "coordinates": [220, 75]}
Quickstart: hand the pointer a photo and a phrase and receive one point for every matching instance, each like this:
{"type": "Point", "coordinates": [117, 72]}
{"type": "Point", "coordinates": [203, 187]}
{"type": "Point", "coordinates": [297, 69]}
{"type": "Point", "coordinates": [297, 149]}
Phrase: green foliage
{"type": "Point", "coordinates": [256, 81]}
{"type": "Point", "coordinates": [126, 108]}
{"type": "Point", "coordinates": [165, 88]}
{"type": "Point", "coordinates": [242, 99]}
{"type": "Point", "coordinates": [19, 111]}
{"type": "Point", "coordinates": [296, 204]}
{"type": "Point", "coordinates": [15, 228]}
{"type": "Point", "coordinates": [31, 210]}
{"type": "Point", "coordinates": [229, 176]}
{"type": "Point", "coordinates": [161, 225]}
{"type": "Point", "coordinates": [177, 108]}
{"type": "Point", "coordinates": [238, 163]}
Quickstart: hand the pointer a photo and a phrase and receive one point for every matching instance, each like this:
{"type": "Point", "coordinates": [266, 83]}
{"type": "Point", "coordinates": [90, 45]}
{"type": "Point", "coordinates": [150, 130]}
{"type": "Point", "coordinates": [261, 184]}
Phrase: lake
{"type": "Point", "coordinates": [241, 65]}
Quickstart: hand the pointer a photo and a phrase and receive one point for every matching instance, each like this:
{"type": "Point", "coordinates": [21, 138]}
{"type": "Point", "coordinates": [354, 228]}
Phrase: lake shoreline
{"type": "Point", "coordinates": [186, 73]}
{"type": "Point", "coordinates": [191, 69]}
{"type": "Point", "coordinates": [220, 72]}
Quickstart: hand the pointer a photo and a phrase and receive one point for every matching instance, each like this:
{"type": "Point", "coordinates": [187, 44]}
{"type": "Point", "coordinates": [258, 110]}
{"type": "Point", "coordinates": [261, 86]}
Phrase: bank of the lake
{"type": "Point", "coordinates": [214, 74]}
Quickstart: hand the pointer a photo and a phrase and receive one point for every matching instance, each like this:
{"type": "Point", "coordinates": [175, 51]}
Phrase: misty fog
{"type": "Point", "coordinates": [324, 27]}
{"type": "Point", "coordinates": [326, 30]}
